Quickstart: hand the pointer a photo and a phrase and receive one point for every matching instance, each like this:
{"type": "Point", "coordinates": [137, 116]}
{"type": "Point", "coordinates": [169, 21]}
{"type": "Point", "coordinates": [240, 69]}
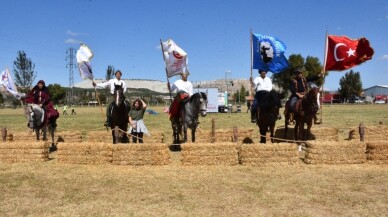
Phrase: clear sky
{"type": "Point", "coordinates": [214, 33]}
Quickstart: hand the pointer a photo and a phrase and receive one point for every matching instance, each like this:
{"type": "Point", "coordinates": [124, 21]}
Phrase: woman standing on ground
{"type": "Point", "coordinates": [135, 119]}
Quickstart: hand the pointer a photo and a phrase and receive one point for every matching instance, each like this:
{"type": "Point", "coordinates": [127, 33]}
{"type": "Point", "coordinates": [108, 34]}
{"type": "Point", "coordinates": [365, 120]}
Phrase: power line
{"type": "Point", "coordinates": [70, 65]}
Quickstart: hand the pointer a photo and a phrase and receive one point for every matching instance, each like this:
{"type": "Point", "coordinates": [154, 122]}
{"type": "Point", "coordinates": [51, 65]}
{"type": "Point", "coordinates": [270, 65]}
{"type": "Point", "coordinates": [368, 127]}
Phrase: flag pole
{"type": "Point", "coordinates": [251, 45]}
{"type": "Point", "coordinates": [168, 81]}
{"type": "Point", "coordinates": [324, 72]}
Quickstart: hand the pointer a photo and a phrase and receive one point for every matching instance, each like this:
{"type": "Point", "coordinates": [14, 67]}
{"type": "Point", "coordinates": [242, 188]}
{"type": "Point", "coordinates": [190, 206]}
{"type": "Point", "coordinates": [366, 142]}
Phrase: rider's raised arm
{"type": "Point", "coordinates": [103, 84]}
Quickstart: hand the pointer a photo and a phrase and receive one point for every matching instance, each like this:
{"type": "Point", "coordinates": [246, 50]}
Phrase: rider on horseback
{"type": "Point", "coordinates": [111, 83]}
{"type": "Point", "coordinates": [261, 84]}
{"type": "Point", "coordinates": [184, 89]}
{"type": "Point", "coordinates": [40, 95]}
{"type": "Point", "coordinates": [298, 87]}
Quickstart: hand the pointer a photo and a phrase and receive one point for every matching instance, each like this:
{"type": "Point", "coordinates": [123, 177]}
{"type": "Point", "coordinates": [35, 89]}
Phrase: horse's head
{"type": "Point", "coordinates": [34, 114]}
{"type": "Point", "coordinates": [203, 103]}
{"type": "Point", "coordinates": [118, 95]}
{"type": "Point", "coordinates": [312, 98]}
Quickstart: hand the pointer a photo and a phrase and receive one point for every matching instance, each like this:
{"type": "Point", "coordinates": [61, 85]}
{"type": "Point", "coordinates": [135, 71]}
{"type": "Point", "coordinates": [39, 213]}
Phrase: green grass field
{"type": "Point", "coordinates": [53, 189]}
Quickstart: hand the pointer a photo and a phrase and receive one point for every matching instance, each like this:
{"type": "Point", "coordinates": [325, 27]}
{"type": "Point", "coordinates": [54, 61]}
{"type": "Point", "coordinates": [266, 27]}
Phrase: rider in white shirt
{"type": "Point", "coordinates": [111, 84]}
{"type": "Point", "coordinates": [184, 89]}
{"type": "Point", "coordinates": [261, 84]}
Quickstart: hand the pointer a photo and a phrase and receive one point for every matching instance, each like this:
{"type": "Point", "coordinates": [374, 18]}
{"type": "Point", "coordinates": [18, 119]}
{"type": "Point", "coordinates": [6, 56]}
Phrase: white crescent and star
{"type": "Point", "coordinates": [350, 52]}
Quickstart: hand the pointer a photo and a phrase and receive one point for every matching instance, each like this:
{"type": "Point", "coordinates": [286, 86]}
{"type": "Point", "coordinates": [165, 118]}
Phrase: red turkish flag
{"type": "Point", "coordinates": [344, 53]}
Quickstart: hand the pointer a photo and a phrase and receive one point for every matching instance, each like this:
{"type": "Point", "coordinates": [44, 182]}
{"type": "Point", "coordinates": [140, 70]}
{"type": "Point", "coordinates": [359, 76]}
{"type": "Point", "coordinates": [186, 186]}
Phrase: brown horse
{"type": "Point", "coordinates": [268, 112]}
{"type": "Point", "coordinates": [304, 113]}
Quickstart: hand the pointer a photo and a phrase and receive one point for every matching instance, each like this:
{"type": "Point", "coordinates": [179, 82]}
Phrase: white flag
{"type": "Point", "coordinates": [8, 84]}
{"type": "Point", "coordinates": [84, 55]}
{"type": "Point", "coordinates": [175, 58]}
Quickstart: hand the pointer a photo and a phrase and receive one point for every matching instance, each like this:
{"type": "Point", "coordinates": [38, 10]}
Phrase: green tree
{"type": "Point", "coordinates": [57, 93]}
{"type": "Point", "coordinates": [110, 72]}
{"type": "Point", "coordinates": [350, 85]}
{"type": "Point", "coordinates": [24, 71]}
{"type": "Point", "coordinates": [311, 67]}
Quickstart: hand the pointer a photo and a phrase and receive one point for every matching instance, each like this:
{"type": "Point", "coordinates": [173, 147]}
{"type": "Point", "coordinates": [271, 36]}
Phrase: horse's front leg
{"type": "Point", "coordinates": [37, 133]}
{"type": "Point", "coordinates": [308, 131]}
{"type": "Point", "coordinates": [193, 133]}
{"type": "Point", "coordinates": [272, 129]}
{"type": "Point", "coordinates": [184, 133]}
{"type": "Point", "coordinates": [286, 117]}
{"type": "Point", "coordinates": [296, 130]}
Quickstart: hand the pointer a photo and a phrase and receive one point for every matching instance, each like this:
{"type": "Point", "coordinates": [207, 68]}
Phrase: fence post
{"type": "Point", "coordinates": [361, 131]}
{"type": "Point", "coordinates": [4, 134]}
{"type": "Point", "coordinates": [213, 133]}
{"type": "Point", "coordinates": [235, 134]}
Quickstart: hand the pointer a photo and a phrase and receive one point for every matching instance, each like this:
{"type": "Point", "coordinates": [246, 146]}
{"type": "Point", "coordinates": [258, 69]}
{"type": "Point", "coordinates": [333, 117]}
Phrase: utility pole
{"type": "Point", "coordinates": [70, 65]}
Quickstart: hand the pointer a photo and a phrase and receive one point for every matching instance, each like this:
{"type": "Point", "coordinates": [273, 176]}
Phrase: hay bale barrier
{"type": "Point", "coordinates": [372, 133]}
{"type": "Point", "coordinates": [209, 154]}
{"type": "Point", "coordinates": [222, 135]}
{"type": "Point", "coordinates": [324, 134]}
{"type": "Point", "coordinates": [69, 136]}
{"type": "Point", "coordinates": [154, 138]}
{"type": "Point", "coordinates": [329, 152]}
{"type": "Point", "coordinates": [23, 152]}
{"type": "Point", "coordinates": [99, 136]}
{"type": "Point", "coordinates": [268, 154]}
{"type": "Point", "coordinates": [85, 153]}
{"type": "Point", "coordinates": [141, 154]}
{"type": "Point", "coordinates": [377, 152]}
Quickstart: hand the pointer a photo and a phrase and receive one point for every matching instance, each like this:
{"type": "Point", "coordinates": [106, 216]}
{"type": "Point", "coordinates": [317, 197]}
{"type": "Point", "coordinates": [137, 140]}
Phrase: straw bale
{"type": "Point", "coordinates": [328, 152]}
{"type": "Point", "coordinates": [324, 161]}
{"type": "Point", "coordinates": [23, 151]}
{"type": "Point", "coordinates": [155, 137]}
{"type": "Point", "coordinates": [272, 162]}
{"type": "Point", "coordinates": [79, 159]}
{"type": "Point", "coordinates": [25, 145]}
{"type": "Point", "coordinates": [377, 145]}
{"type": "Point", "coordinates": [378, 161]}
{"type": "Point", "coordinates": [23, 136]}
{"type": "Point", "coordinates": [210, 160]}
{"type": "Point", "coordinates": [270, 154]}
{"type": "Point", "coordinates": [23, 160]}
{"type": "Point", "coordinates": [210, 154]}
{"type": "Point", "coordinates": [85, 146]}
{"type": "Point", "coordinates": [141, 154]}
{"type": "Point", "coordinates": [221, 135]}
{"type": "Point", "coordinates": [377, 152]}
{"type": "Point", "coordinates": [325, 133]}
{"type": "Point", "coordinates": [69, 136]}
{"type": "Point", "coordinates": [372, 133]}
{"type": "Point", "coordinates": [85, 153]}
{"type": "Point", "coordinates": [99, 136]}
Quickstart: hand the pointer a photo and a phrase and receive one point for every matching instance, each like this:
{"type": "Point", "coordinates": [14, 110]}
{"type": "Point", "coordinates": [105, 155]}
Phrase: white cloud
{"type": "Point", "coordinates": [72, 41]}
{"type": "Point", "coordinates": [385, 57]}
{"type": "Point", "coordinates": [69, 32]}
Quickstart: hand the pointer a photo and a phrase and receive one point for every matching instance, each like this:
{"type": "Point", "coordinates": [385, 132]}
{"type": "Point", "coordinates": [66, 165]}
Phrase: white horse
{"type": "Point", "coordinates": [37, 122]}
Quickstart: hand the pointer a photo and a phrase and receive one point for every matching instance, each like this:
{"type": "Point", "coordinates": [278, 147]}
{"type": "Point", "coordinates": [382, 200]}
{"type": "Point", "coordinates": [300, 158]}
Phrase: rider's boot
{"type": "Point", "coordinates": [253, 117]}
{"type": "Point", "coordinates": [292, 121]}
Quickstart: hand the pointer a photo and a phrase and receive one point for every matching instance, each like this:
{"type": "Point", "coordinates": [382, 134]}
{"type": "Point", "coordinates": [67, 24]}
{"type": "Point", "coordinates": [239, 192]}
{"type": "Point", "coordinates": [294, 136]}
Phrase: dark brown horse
{"type": "Point", "coordinates": [268, 112]}
{"type": "Point", "coordinates": [119, 116]}
{"type": "Point", "coordinates": [304, 113]}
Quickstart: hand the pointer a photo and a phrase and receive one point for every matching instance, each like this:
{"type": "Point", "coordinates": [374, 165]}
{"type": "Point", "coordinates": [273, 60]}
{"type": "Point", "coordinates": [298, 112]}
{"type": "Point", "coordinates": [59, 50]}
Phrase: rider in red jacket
{"type": "Point", "coordinates": [40, 95]}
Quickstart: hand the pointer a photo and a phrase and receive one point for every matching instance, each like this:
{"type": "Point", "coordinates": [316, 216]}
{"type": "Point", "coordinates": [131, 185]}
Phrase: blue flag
{"type": "Point", "coordinates": [268, 53]}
